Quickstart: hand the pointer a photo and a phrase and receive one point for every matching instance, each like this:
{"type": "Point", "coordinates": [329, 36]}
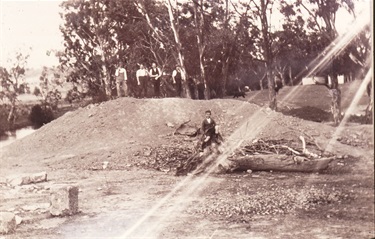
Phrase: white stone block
{"type": "Point", "coordinates": [64, 200]}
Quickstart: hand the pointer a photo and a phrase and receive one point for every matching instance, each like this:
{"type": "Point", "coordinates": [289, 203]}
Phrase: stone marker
{"type": "Point", "coordinates": [7, 222]}
{"type": "Point", "coordinates": [64, 200]}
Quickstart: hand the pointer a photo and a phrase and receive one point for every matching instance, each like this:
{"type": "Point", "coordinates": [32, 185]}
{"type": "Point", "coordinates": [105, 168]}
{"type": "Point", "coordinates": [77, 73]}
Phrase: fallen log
{"type": "Point", "coordinates": [275, 162]}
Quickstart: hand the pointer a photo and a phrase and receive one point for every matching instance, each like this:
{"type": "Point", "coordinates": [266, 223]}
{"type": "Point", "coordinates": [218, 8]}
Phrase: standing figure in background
{"type": "Point", "coordinates": [200, 88]}
{"type": "Point", "coordinates": [142, 76]}
{"type": "Point", "coordinates": [177, 80]}
{"type": "Point", "coordinates": [155, 74]}
{"type": "Point", "coordinates": [121, 81]}
{"type": "Point", "coordinates": [192, 87]}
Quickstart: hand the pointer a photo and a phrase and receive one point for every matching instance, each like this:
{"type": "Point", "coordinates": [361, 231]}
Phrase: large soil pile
{"type": "Point", "coordinates": [119, 125]}
{"type": "Point", "coordinates": [116, 130]}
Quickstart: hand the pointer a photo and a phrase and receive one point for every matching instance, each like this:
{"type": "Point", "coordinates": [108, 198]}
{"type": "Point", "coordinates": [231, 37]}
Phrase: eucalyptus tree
{"type": "Point", "coordinates": [11, 80]}
{"type": "Point", "coordinates": [97, 35]}
{"type": "Point", "coordinates": [163, 19]}
{"type": "Point", "coordinates": [291, 45]}
{"type": "Point", "coordinates": [333, 56]}
{"type": "Point", "coordinates": [260, 15]}
{"type": "Point", "coordinates": [50, 81]}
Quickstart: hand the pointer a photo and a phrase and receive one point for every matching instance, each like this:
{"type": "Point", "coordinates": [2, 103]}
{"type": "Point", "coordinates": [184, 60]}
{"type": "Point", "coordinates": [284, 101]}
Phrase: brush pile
{"type": "Point", "coordinates": [281, 147]}
{"type": "Point", "coordinates": [171, 157]}
{"type": "Point", "coordinates": [263, 146]}
{"type": "Point", "coordinates": [182, 157]}
{"type": "Point", "coordinates": [278, 155]}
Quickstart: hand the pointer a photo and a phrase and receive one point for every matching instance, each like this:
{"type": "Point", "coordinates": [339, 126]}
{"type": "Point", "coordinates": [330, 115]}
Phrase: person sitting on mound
{"type": "Point", "coordinates": [210, 131]}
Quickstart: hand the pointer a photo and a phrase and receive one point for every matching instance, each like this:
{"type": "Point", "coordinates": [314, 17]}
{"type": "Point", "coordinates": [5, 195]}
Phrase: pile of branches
{"type": "Point", "coordinates": [182, 159]}
{"type": "Point", "coordinates": [262, 146]}
{"type": "Point", "coordinates": [178, 159]}
{"type": "Point", "coordinates": [281, 146]}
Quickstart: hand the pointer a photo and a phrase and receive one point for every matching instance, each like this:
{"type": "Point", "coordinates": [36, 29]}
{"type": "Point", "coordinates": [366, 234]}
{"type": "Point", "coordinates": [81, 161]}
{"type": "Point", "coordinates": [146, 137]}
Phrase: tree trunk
{"type": "Point", "coordinates": [261, 84]}
{"type": "Point", "coordinates": [280, 74]}
{"type": "Point", "coordinates": [369, 113]}
{"type": "Point", "coordinates": [12, 113]}
{"type": "Point", "coordinates": [228, 52]}
{"type": "Point", "coordinates": [268, 55]}
{"type": "Point", "coordinates": [290, 76]}
{"type": "Point", "coordinates": [335, 94]}
{"type": "Point", "coordinates": [224, 81]}
{"type": "Point", "coordinates": [276, 162]}
{"type": "Point", "coordinates": [271, 89]}
{"type": "Point", "coordinates": [106, 82]}
{"type": "Point", "coordinates": [336, 99]}
{"type": "Point", "coordinates": [201, 66]}
{"type": "Point", "coordinates": [199, 24]}
{"type": "Point", "coordinates": [180, 55]}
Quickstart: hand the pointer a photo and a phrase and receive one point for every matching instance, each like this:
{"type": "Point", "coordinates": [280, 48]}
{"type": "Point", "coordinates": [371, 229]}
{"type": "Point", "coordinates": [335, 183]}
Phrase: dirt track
{"type": "Point", "coordinates": [337, 203]}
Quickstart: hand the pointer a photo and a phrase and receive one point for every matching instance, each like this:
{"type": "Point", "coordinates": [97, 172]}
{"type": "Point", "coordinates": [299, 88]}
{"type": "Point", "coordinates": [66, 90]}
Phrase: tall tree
{"type": "Point", "coordinates": [173, 13]}
{"type": "Point", "coordinates": [199, 19]}
{"type": "Point", "coordinates": [291, 44]}
{"type": "Point", "coordinates": [97, 35]}
{"type": "Point", "coordinates": [261, 13]}
{"type": "Point", "coordinates": [322, 19]}
{"type": "Point", "coordinates": [11, 81]}
{"type": "Point", "coordinates": [50, 80]}
{"type": "Point", "coordinates": [170, 33]}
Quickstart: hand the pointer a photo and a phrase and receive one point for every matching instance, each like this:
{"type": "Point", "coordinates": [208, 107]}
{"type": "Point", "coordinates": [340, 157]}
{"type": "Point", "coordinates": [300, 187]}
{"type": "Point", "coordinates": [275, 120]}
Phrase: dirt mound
{"type": "Point", "coordinates": [120, 124]}
{"type": "Point", "coordinates": [123, 131]}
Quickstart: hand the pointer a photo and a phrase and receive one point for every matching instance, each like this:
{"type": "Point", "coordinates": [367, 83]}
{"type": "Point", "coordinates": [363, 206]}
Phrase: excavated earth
{"type": "Point", "coordinates": [130, 198]}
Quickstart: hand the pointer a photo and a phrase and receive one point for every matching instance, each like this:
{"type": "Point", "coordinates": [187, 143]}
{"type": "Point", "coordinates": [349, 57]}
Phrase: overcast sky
{"type": "Point", "coordinates": [25, 24]}
{"type": "Point", "coordinates": [35, 24]}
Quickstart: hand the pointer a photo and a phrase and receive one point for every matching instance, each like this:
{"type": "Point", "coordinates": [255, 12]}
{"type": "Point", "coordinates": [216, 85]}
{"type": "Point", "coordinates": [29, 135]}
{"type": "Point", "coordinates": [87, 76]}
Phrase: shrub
{"type": "Point", "coordinates": [73, 95]}
{"type": "Point", "coordinates": [40, 115]}
{"type": "Point", "coordinates": [36, 91]}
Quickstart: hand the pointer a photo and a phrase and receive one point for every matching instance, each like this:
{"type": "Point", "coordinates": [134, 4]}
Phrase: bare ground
{"type": "Point", "coordinates": [129, 199]}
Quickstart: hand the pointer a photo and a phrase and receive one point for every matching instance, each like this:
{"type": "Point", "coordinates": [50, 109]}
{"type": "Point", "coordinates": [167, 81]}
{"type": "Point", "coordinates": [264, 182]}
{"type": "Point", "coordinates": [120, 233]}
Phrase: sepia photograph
{"type": "Point", "coordinates": [187, 119]}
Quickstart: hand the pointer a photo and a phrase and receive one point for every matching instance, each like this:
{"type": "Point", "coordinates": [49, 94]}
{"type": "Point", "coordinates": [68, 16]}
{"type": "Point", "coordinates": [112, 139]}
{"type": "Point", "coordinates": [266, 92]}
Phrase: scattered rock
{"type": "Point", "coordinates": [18, 220]}
{"type": "Point", "coordinates": [34, 207]}
{"type": "Point", "coordinates": [169, 124]}
{"type": "Point", "coordinates": [34, 178]}
{"type": "Point", "coordinates": [147, 152]}
{"type": "Point", "coordinates": [105, 164]}
{"type": "Point", "coordinates": [7, 222]}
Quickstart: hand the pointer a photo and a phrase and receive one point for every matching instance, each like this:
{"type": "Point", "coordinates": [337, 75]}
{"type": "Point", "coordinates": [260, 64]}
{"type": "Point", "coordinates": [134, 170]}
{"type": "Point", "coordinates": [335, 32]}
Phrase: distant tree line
{"type": "Point", "coordinates": [214, 41]}
{"type": "Point", "coordinates": [222, 44]}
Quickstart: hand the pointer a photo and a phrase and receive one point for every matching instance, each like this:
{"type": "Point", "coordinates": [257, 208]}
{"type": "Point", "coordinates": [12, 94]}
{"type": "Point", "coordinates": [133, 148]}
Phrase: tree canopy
{"type": "Point", "coordinates": [221, 44]}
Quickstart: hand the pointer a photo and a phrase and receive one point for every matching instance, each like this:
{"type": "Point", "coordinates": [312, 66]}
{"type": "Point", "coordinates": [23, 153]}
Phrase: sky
{"type": "Point", "coordinates": [30, 24]}
{"type": "Point", "coordinates": [32, 27]}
